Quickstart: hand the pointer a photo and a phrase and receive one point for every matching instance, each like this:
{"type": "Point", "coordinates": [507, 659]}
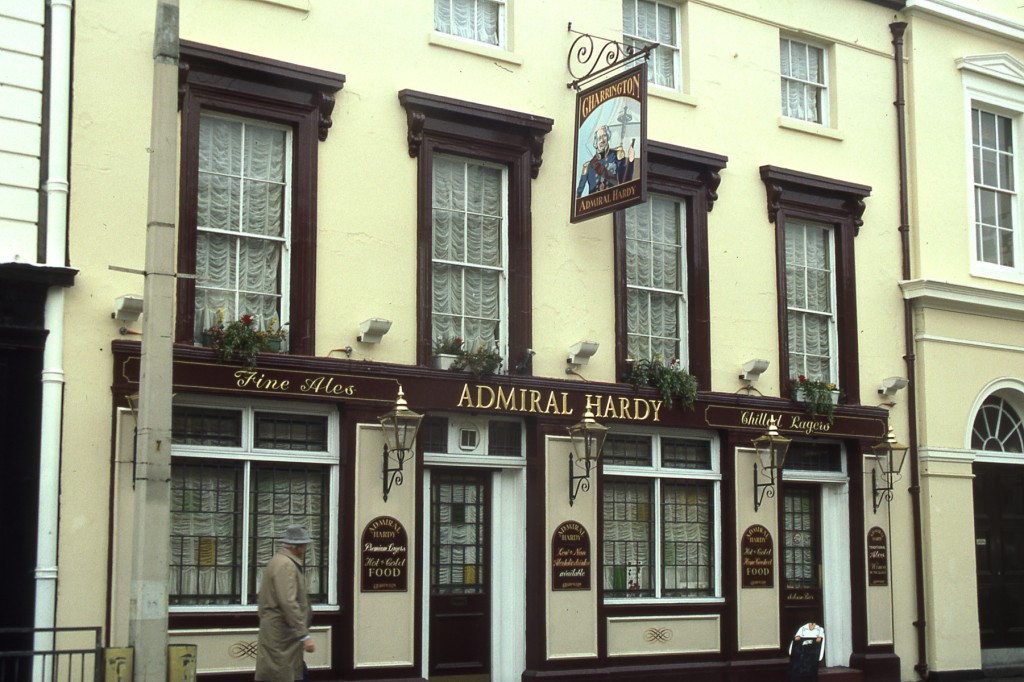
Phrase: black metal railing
{"type": "Point", "coordinates": [70, 655]}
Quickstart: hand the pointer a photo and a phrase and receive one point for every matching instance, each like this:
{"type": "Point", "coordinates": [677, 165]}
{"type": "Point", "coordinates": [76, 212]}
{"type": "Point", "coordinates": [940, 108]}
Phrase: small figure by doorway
{"type": "Point", "coordinates": [806, 651]}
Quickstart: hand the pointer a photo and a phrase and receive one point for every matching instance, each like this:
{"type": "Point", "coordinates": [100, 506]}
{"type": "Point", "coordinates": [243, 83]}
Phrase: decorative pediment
{"type": "Point", "coordinates": [999, 65]}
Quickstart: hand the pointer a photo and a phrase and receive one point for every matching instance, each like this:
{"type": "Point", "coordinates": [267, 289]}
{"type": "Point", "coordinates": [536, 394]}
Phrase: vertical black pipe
{"type": "Point", "coordinates": [921, 668]}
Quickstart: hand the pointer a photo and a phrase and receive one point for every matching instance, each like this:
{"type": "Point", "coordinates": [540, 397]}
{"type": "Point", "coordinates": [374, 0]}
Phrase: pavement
{"type": "Point", "coordinates": [1014, 674]}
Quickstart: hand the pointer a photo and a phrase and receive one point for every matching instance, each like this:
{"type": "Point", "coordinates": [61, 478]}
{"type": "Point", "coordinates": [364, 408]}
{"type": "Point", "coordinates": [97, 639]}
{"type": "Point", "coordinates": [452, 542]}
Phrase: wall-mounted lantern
{"type": "Point", "coordinates": [587, 438]}
{"type": "Point", "coordinates": [400, 426]}
{"type": "Point", "coordinates": [771, 455]}
{"type": "Point", "coordinates": [889, 458]}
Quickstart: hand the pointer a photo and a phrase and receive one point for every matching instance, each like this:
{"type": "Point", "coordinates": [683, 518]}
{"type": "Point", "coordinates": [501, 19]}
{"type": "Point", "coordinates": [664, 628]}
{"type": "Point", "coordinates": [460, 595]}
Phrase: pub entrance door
{"type": "Point", "coordinates": [800, 542]}
{"type": "Point", "coordinates": [999, 545]}
{"type": "Point", "coordinates": [814, 544]}
{"type": "Point", "coordinates": [474, 582]}
{"type": "Point", "coordinates": [460, 576]}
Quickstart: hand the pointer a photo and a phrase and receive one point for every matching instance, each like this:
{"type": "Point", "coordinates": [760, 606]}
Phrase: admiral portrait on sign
{"type": "Point", "coordinates": [611, 136]}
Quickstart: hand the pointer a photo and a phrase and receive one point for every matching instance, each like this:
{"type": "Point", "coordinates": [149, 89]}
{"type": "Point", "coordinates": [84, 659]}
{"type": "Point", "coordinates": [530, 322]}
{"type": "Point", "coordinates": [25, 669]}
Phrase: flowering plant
{"type": "Point", "coordinates": [481, 361]}
{"type": "Point", "coordinates": [817, 397]}
{"type": "Point", "coordinates": [239, 338]}
{"type": "Point", "coordinates": [671, 378]}
{"type": "Point", "coordinates": [275, 330]}
{"type": "Point", "coordinates": [448, 345]}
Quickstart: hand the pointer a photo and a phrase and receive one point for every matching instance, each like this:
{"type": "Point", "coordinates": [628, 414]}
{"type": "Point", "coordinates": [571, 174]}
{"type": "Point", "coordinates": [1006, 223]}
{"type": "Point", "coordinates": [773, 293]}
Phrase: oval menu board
{"type": "Point", "coordinates": [385, 556]}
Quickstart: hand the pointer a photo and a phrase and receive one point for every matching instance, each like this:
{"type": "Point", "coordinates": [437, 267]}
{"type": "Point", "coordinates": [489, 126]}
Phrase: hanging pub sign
{"type": "Point", "coordinates": [609, 163]}
{"type": "Point", "coordinates": [385, 556]}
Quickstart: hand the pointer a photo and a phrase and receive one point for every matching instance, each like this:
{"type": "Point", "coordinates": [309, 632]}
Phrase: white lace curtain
{"type": "Point", "coordinates": [809, 299]}
{"type": "Point", "coordinates": [627, 536]}
{"type": "Point", "coordinates": [686, 536]}
{"type": "Point", "coordinates": [458, 539]}
{"type": "Point", "coordinates": [241, 221]}
{"type": "Point", "coordinates": [653, 22]}
{"type": "Point", "coordinates": [206, 544]}
{"type": "Point", "coordinates": [205, 562]}
{"type": "Point", "coordinates": [802, 70]}
{"type": "Point", "coordinates": [655, 303]}
{"type": "Point", "coordinates": [473, 19]}
{"type": "Point", "coordinates": [468, 203]}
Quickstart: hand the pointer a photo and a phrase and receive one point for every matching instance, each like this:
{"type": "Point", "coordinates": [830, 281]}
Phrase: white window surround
{"type": "Point", "coordinates": [678, 85]}
{"type": "Point", "coordinates": [649, 285]}
{"type": "Point", "coordinates": [824, 84]}
{"type": "Point", "coordinates": [465, 263]}
{"type": "Point", "coordinates": [475, 48]}
{"type": "Point", "coordinates": [503, 21]}
{"type": "Point", "coordinates": [241, 231]}
{"type": "Point", "coordinates": [330, 457]}
{"type": "Point", "coordinates": [713, 474]}
{"type": "Point", "coordinates": [1012, 391]}
{"type": "Point", "coordinates": [301, 5]}
{"type": "Point", "coordinates": [994, 83]}
{"type": "Point", "coordinates": [819, 311]}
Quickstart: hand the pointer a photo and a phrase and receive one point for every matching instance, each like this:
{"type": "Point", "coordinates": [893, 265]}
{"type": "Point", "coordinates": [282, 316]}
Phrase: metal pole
{"type": "Point", "coordinates": [148, 623]}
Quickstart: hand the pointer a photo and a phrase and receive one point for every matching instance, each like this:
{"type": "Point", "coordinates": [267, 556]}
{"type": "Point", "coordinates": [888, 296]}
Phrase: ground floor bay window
{"type": "Point", "coordinates": [239, 476]}
{"type": "Point", "coordinates": [661, 517]}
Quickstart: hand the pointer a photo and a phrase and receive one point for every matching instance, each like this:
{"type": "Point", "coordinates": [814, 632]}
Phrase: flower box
{"type": "Point", "coordinates": [801, 396]}
{"type": "Point", "coordinates": [444, 360]}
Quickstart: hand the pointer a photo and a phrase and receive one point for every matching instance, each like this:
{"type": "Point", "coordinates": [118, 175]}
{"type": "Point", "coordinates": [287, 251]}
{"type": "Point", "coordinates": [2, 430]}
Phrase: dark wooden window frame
{"type": "Point", "coordinates": [693, 177]}
{"type": "Point", "coordinates": [302, 98]}
{"type": "Point", "coordinates": [839, 205]}
{"type": "Point", "coordinates": [441, 125]}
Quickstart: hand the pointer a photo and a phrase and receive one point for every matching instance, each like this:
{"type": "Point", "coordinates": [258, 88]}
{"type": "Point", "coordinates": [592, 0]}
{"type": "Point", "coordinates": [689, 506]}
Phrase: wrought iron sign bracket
{"type": "Point", "coordinates": [762, 489]}
{"type": "Point", "coordinates": [880, 492]}
{"type": "Point", "coordinates": [591, 57]}
{"type": "Point", "coordinates": [392, 475]}
{"type": "Point", "coordinates": [578, 482]}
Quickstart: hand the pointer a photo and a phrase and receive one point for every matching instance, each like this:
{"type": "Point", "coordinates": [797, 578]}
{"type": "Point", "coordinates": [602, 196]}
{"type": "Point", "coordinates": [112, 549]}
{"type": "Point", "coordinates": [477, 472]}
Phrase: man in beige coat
{"type": "Point", "coordinates": [284, 612]}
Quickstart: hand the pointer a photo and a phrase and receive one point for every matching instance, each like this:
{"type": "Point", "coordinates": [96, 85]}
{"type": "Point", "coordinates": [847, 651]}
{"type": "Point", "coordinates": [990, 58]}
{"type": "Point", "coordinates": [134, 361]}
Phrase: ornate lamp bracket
{"type": "Point", "coordinates": [592, 56]}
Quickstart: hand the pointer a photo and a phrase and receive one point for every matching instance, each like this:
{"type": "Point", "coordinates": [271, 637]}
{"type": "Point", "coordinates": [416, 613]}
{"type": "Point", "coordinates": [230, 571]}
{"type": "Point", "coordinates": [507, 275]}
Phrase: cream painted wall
{"type": "Point", "coordinates": [755, 630]}
{"type": "Point", "coordinates": [879, 598]}
{"type": "Point", "coordinates": [952, 343]}
{"type": "Point", "coordinates": [385, 620]}
{"type": "Point", "coordinates": [567, 610]}
{"type": "Point", "coordinates": [941, 173]}
{"type": "Point", "coordinates": [951, 591]}
{"type": "Point", "coordinates": [367, 219]}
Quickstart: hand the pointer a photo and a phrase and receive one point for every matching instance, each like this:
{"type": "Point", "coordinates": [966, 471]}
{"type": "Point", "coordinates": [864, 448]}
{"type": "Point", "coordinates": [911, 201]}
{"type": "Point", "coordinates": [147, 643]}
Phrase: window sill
{"type": "Point", "coordinates": [810, 128]}
{"type": "Point", "coordinates": [653, 601]}
{"type": "Point", "coordinates": [671, 95]}
{"type": "Point", "coordinates": [480, 49]}
{"type": "Point", "coordinates": [239, 608]}
{"type": "Point", "coordinates": [301, 5]}
{"type": "Point", "coordinates": [995, 272]}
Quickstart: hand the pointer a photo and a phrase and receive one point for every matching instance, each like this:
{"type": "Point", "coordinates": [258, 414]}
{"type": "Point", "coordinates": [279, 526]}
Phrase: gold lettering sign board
{"type": "Point", "coordinates": [757, 558]}
{"type": "Point", "coordinates": [794, 422]}
{"type": "Point", "coordinates": [533, 401]}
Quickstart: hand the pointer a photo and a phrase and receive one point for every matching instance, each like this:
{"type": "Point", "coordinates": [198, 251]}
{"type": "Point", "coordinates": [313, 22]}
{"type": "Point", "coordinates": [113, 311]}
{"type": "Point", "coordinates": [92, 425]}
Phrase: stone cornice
{"type": "Point", "coordinates": [959, 12]}
{"type": "Point", "coordinates": [928, 293]}
{"type": "Point", "coordinates": [1000, 65]}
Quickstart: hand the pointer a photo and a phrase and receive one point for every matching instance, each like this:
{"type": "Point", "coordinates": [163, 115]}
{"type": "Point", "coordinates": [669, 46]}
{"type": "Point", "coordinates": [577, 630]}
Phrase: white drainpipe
{"type": "Point", "coordinates": [56, 189]}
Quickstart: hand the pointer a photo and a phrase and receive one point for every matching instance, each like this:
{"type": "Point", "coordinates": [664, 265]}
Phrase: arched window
{"type": "Point", "coordinates": [998, 427]}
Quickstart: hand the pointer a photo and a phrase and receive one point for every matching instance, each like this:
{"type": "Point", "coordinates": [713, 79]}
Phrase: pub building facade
{"type": "Point", "coordinates": [378, 204]}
